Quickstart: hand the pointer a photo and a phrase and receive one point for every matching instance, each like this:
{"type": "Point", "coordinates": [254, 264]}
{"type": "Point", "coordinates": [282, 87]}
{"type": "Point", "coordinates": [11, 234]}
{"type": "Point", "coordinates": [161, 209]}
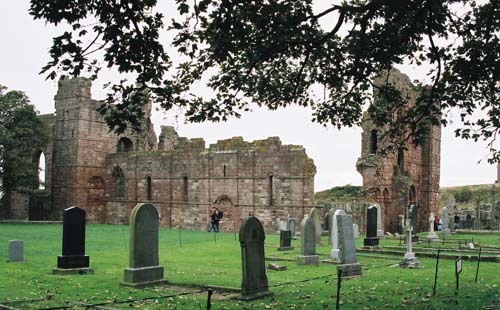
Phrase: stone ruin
{"type": "Point", "coordinates": [107, 175]}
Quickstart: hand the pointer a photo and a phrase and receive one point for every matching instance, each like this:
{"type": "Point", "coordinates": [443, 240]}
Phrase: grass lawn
{"type": "Point", "coordinates": [202, 261]}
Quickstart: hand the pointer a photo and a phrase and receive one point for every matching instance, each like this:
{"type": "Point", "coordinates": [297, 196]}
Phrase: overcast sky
{"type": "Point", "coordinates": [24, 50]}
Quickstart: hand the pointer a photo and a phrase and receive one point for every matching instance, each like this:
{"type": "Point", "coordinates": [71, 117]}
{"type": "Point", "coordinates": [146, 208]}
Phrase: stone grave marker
{"type": "Point", "coordinates": [347, 250]}
{"type": "Point", "coordinates": [254, 283]}
{"type": "Point", "coordinates": [445, 218]}
{"type": "Point", "coordinates": [314, 215]}
{"type": "Point", "coordinates": [413, 217]}
{"type": "Point", "coordinates": [285, 240]}
{"type": "Point", "coordinates": [409, 260]}
{"type": "Point", "coordinates": [334, 253]}
{"type": "Point", "coordinates": [308, 240]}
{"type": "Point", "coordinates": [330, 226]}
{"type": "Point", "coordinates": [371, 227]}
{"type": "Point", "coordinates": [292, 225]}
{"type": "Point", "coordinates": [73, 259]}
{"type": "Point", "coordinates": [144, 269]}
{"type": "Point", "coordinates": [432, 234]}
{"type": "Point", "coordinates": [355, 228]}
{"type": "Point", "coordinates": [16, 251]}
{"type": "Point", "coordinates": [380, 232]}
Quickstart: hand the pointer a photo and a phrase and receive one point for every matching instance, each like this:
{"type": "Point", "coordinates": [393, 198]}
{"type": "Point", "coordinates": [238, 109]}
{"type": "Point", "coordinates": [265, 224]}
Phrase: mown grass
{"type": "Point", "coordinates": [199, 259]}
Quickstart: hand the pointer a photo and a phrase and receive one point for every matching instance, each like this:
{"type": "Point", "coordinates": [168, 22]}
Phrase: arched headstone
{"type": "Point", "coordinates": [73, 259]}
{"type": "Point", "coordinates": [334, 253]}
{"type": "Point", "coordinates": [254, 283]}
{"type": "Point", "coordinates": [144, 268]}
{"type": "Point", "coordinates": [308, 241]}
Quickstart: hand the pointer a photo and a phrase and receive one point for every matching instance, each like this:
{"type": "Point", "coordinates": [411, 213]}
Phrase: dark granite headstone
{"type": "Point", "coordinates": [254, 283]}
{"type": "Point", "coordinates": [73, 258]}
{"type": "Point", "coordinates": [371, 227]}
{"type": "Point", "coordinates": [285, 240]}
{"type": "Point", "coordinates": [144, 268]}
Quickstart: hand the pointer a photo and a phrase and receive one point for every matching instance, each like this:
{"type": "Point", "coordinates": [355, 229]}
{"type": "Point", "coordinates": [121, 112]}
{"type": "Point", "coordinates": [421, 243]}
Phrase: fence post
{"type": "Point", "coordinates": [339, 281]}
{"type": "Point", "coordinates": [436, 274]}
{"type": "Point", "coordinates": [477, 268]}
{"type": "Point", "coordinates": [209, 299]}
{"type": "Point", "coordinates": [180, 240]}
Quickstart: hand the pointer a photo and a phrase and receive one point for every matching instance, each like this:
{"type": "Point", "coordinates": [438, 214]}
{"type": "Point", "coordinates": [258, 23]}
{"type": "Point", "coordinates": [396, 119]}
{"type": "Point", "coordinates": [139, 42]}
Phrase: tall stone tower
{"type": "Point", "coordinates": [403, 177]}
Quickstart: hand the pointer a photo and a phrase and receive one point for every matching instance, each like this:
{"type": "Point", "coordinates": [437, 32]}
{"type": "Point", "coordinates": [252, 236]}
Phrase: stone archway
{"type": "Point", "coordinates": [231, 220]}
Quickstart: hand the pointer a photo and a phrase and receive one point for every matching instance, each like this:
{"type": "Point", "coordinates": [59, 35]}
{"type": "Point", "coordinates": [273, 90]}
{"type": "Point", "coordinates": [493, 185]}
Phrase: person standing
{"type": "Point", "coordinates": [214, 220]}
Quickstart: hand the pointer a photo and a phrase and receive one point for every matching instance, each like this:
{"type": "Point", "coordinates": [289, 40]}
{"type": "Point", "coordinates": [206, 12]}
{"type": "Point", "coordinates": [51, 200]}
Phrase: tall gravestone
{"type": "Point", "coordinates": [330, 226]}
{"type": "Point", "coordinates": [292, 223]}
{"type": "Point", "coordinates": [334, 253]}
{"type": "Point", "coordinates": [285, 240]}
{"type": "Point", "coordinates": [314, 215]}
{"type": "Point", "coordinates": [380, 232]}
{"type": "Point", "coordinates": [432, 234]}
{"type": "Point", "coordinates": [409, 259]}
{"type": "Point", "coordinates": [347, 250]}
{"type": "Point", "coordinates": [413, 219]}
{"type": "Point", "coordinates": [16, 251]}
{"type": "Point", "coordinates": [254, 283]}
{"type": "Point", "coordinates": [371, 227]}
{"type": "Point", "coordinates": [308, 240]}
{"type": "Point", "coordinates": [355, 227]}
{"type": "Point", "coordinates": [144, 268]}
{"type": "Point", "coordinates": [73, 259]}
{"type": "Point", "coordinates": [445, 217]}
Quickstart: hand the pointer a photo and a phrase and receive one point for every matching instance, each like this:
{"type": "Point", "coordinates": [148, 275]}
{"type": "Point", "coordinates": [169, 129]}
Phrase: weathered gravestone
{"type": "Point", "coordinates": [292, 223]}
{"type": "Point", "coordinates": [254, 283]}
{"type": "Point", "coordinates": [329, 217]}
{"type": "Point", "coordinates": [380, 232]}
{"type": "Point", "coordinates": [413, 220]}
{"type": "Point", "coordinates": [73, 259]}
{"type": "Point", "coordinates": [432, 234]}
{"type": "Point", "coordinates": [334, 253]}
{"type": "Point", "coordinates": [314, 215]}
{"type": "Point", "coordinates": [371, 227]}
{"type": "Point", "coordinates": [355, 228]}
{"type": "Point", "coordinates": [144, 268]}
{"type": "Point", "coordinates": [409, 260]}
{"type": "Point", "coordinates": [308, 239]}
{"type": "Point", "coordinates": [445, 218]}
{"type": "Point", "coordinates": [347, 251]}
{"type": "Point", "coordinates": [16, 251]}
{"type": "Point", "coordinates": [285, 240]}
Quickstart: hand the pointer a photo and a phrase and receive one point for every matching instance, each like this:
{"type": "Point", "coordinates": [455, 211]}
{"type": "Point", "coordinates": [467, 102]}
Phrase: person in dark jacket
{"type": "Point", "coordinates": [214, 220]}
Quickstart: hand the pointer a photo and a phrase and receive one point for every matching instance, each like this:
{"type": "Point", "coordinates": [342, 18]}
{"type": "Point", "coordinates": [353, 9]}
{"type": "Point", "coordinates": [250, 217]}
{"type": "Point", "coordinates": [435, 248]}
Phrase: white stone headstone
{"type": "Point", "coordinates": [432, 233]}
{"type": "Point", "coordinates": [334, 253]}
{"type": "Point", "coordinates": [355, 228]}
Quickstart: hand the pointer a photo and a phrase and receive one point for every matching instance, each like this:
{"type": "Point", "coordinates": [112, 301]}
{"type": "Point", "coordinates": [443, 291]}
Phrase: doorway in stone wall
{"type": "Point", "coordinates": [231, 219]}
{"type": "Point", "coordinates": [96, 204]}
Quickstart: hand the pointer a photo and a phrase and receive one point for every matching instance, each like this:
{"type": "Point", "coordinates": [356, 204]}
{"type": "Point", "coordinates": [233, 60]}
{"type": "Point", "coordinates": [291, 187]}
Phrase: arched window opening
{"type": "Point", "coordinates": [224, 170]}
{"type": "Point", "coordinates": [271, 189]}
{"type": "Point", "coordinates": [148, 188]}
{"type": "Point", "coordinates": [412, 198]}
{"type": "Point", "coordinates": [39, 163]}
{"type": "Point", "coordinates": [401, 159]}
{"type": "Point", "coordinates": [373, 141]}
{"type": "Point", "coordinates": [118, 183]}
{"type": "Point", "coordinates": [124, 145]}
{"type": "Point", "coordinates": [185, 192]}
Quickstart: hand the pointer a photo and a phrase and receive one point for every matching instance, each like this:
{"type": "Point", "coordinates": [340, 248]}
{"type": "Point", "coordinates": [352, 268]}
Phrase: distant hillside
{"type": "Point", "coordinates": [465, 196]}
{"type": "Point", "coordinates": [338, 192]}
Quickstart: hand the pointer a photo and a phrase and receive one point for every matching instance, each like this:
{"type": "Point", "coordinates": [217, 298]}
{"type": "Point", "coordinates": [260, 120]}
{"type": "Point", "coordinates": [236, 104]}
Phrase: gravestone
{"type": "Point", "coordinates": [409, 260]}
{"type": "Point", "coordinates": [314, 215]}
{"type": "Point", "coordinates": [144, 268]}
{"type": "Point", "coordinates": [432, 234]}
{"type": "Point", "coordinates": [254, 283]}
{"type": "Point", "coordinates": [401, 224]}
{"type": "Point", "coordinates": [292, 223]}
{"type": "Point", "coordinates": [380, 232]}
{"type": "Point", "coordinates": [347, 251]}
{"type": "Point", "coordinates": [285, 240]}
{"type": "Point", "coordinates": [355, 228]}
{"type": "Point", "coordinates": [329, 219]}
{"type": "Point", "coordinates": [308, 240]}
{"type": "Point", "coordinates": [334, 253]}
{"type": "Point", "coordinates": [283, 225]}
{"type": "Point", "coordinates": [413, 217]}
{"type": "Point", "coordinates": [371, 227]}
{"type": "Point", "coordinates": [445, 218]}
{"type": "Point", "coordinates": [16, 251]}
{"type": "Point", "coordinates": [73, 259]}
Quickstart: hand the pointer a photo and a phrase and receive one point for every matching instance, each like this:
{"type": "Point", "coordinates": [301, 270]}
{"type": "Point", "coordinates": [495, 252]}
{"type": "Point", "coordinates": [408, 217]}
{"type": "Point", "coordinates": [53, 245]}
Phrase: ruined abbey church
{"type": "Point", "coordinates": [107, 175]}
